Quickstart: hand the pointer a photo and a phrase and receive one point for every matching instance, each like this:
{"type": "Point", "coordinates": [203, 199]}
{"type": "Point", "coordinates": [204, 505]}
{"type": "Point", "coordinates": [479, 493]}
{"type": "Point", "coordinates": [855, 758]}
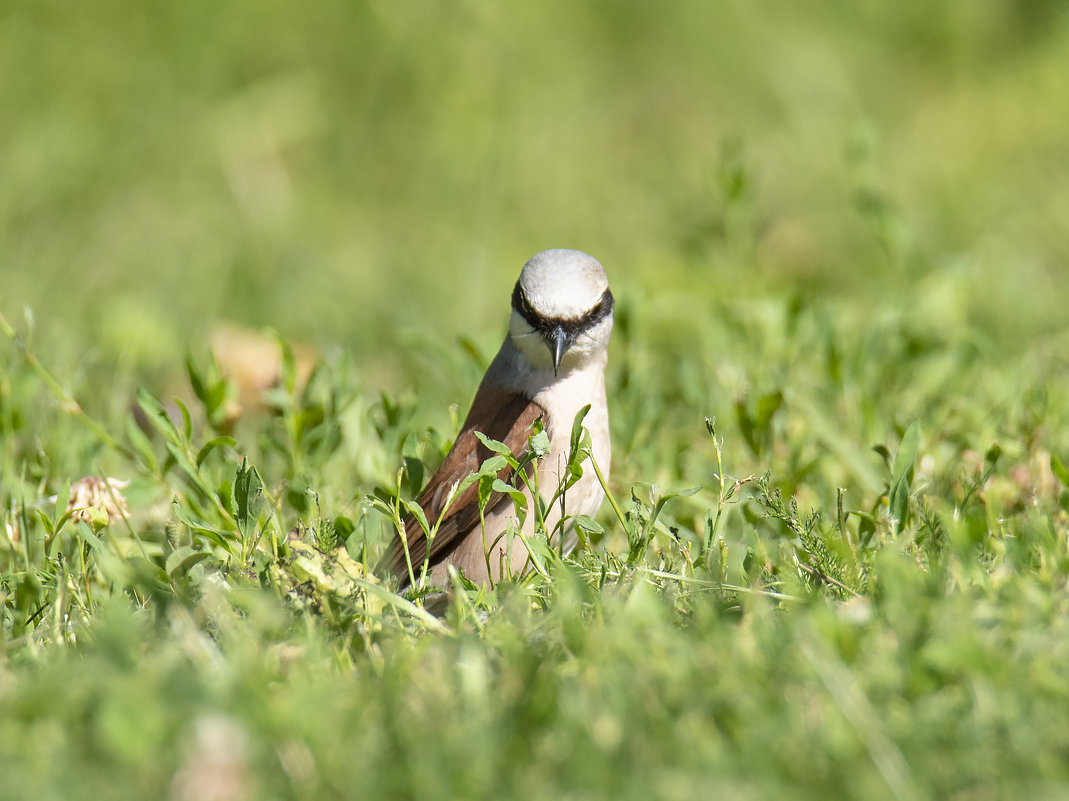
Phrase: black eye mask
{"type": "Point", "coordinates": [571, 326]}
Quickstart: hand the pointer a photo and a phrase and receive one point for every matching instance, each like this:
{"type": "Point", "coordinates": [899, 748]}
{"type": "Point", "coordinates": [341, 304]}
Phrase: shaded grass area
{"type": "Point", "coordinates": [838, 246]}
{"type": "Point", "coordinates": [916, 695]}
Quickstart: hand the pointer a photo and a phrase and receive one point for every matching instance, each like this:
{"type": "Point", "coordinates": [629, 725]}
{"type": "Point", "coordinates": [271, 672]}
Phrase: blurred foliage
{"type": "Point", "coordinates": [837, 234]}
{"type": "Point", "coordinates": [166, 167]}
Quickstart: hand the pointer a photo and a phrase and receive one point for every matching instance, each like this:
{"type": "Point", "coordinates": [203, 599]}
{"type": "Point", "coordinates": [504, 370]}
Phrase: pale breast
{"type": "Point", "coordinates": [481, 556]}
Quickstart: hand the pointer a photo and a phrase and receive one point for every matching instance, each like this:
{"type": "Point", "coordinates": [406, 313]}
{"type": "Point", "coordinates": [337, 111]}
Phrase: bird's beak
{"type": "Point", "coordinates": [558, 342]}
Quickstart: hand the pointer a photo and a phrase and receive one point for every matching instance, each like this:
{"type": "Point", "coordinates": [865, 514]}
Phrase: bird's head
{"type": "Point", "coordinates": [561, 310]}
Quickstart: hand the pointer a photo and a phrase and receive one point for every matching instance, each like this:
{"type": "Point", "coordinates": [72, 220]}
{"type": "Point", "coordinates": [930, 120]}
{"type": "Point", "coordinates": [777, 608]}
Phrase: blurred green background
{"type": "Point", "coordinates": [373, 174]}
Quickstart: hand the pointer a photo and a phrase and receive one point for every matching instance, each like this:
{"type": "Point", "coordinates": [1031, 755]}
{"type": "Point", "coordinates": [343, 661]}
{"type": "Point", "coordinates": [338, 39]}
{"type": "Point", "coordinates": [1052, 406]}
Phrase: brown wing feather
{"type": "Point", "coordinates": [502, 415]}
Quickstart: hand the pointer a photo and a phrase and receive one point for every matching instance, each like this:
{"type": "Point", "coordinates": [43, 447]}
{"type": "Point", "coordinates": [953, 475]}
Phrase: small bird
{"type": "Point", "coordinates": [551, 365]}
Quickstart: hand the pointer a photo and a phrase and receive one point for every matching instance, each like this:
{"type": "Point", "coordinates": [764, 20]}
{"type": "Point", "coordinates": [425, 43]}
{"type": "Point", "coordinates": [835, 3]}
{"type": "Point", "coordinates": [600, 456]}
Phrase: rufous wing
{"type": "Point", "coordinates": [498, 414]}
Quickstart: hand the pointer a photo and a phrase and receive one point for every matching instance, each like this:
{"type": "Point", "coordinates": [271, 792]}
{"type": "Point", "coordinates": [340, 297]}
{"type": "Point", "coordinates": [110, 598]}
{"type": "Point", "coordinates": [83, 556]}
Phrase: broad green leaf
{"type": "Point", "coordinates": [413, 473]}
{"type": "Point", "coordinates": [498, 447]}
{"type": "Point", "coordinates": [200, 527]}
{"type": "Point", "coordinates": [907, 451]}
{"type": "Point", "coordinates": [666, 498]}
{"type": "Point", "coordinates": [343, 526]}
{"type": "Point", "coordinates": [587, 527]}
{"type": "Point", "coordinates": [179, 562]}
{"type": "Point", "coordinates": [214, 403]}
{"type": "Point", "coordinates": [156, 414]}
{"type": "Point", "coordinates": [883, 453]}
{"type": "Point", "coordinates": [866, 526]}
{"type": "Point", "coordinates": [211, 445]}
{"type": "Point", "coordinates": [187, 419]}
{"type": "Point", "coordinates": [380, 505]}
{"type": "Point", "coordinates": [539, 444]}
{"type": "Point", "coordinates": [487, 470]}
{"type": "Point", "coordinates": [518, 498]}
{"type": "Point", "coordinates": [416, 511]}
{"type": "Point", "coordinates": [86, 533]}
{"type": "Point", "coordinates": [46, 521]}
{"type": "Point", "coordinates": [1058, 468]}
{"type": "Point", "coordinates": [767, 406]}
{"type": "Point", "coordinates": [577, 427]}
{"type": "Point", "coordinates": [196, 381]}
{"type": "Point", "coordinates": [492, 466]}
{"type": "Point", "coordinates": [248, 496]}
{"type": "Point", "coordinates": [486, 490]}
{"type": "Point", "coordinates": [540, 549]}
{"type": "Point", "coordinates": [901, 474]}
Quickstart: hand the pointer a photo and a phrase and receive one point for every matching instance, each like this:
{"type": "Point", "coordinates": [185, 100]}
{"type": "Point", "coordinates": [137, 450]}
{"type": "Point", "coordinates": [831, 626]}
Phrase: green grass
{"type": "Point", "coordinates": [837, 236]}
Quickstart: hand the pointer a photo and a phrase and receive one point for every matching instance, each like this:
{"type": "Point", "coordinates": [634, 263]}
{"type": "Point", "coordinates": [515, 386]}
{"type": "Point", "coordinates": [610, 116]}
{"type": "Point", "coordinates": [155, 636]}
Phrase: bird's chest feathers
{"type": "Point", "coordinates": [562, 401]}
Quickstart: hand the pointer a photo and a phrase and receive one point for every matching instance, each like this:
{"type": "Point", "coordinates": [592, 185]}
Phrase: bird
{"type": "Point", "coordinates": [550, 365]}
